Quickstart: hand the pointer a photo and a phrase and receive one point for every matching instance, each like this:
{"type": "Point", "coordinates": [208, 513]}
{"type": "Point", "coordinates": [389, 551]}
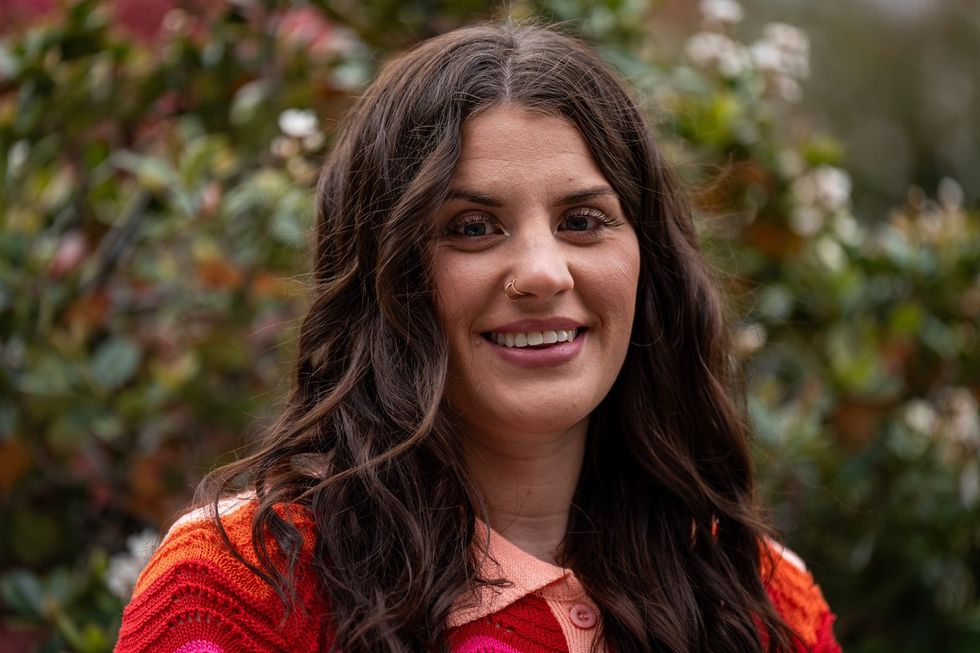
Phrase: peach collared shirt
{"type": "Point", "coordinates": [571, 606]}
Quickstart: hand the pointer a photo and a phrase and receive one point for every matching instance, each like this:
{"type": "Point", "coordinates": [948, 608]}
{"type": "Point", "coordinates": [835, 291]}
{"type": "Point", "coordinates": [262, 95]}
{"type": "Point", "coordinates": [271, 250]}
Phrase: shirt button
{"type": "Point", "coordinates": [582, 616]}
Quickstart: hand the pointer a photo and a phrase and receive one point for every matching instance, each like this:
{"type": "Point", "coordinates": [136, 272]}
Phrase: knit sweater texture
{"type": "Point", "coordinates": [194, 596]}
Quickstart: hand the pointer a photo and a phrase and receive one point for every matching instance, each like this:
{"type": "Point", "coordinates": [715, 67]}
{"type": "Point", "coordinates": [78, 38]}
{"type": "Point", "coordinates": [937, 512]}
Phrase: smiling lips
{"type": "Point", "coordinates": [538, 343]}
{"type": "Point", "coordinates": [542, 356]}
{"type": "Point", "coordinates": [533, 338]}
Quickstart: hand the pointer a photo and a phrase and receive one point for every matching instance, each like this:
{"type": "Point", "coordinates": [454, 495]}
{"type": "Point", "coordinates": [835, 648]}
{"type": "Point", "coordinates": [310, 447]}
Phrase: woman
{"type": "Point", "coordinates": [512, 427]}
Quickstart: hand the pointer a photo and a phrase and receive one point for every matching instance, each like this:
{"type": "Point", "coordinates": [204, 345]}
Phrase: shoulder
{"type": "Point", "coordinates": [798, 598]}
{"type": "Point", "coordinates": [195, 594]}
{"type": "Point", "coordinates": [194, 541]}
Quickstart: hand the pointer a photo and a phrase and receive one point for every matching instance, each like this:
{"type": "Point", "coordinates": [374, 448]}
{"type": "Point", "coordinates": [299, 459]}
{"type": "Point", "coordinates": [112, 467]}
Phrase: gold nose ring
{"type": "Point", "coordinates": [512, 292]}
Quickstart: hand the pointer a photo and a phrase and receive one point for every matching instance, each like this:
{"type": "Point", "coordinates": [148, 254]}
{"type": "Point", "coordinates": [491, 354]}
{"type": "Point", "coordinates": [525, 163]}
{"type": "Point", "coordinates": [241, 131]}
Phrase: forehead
{"type": "Point", "coordinates": [511, 141]}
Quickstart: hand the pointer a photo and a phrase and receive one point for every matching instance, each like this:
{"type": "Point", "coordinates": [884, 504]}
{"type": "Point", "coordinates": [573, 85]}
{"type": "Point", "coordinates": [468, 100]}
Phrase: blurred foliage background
{"type": "Point", "coordinates": [157, 159]}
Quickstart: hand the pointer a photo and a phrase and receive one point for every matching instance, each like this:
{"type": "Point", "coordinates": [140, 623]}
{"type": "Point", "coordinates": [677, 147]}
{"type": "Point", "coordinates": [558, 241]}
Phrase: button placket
{"type": "Point", "coordinates": [582, 616]}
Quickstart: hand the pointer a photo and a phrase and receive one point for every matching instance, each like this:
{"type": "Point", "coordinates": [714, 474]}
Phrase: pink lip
{"type": "Point", "coordinates": [550, 356]}
{"type": "Point", "coordinates": [548, 324]}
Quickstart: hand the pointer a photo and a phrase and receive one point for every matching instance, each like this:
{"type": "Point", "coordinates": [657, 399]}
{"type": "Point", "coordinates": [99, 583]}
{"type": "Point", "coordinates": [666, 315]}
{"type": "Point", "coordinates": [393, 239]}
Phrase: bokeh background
{"type": "Point", "coordinates": [157, 159]}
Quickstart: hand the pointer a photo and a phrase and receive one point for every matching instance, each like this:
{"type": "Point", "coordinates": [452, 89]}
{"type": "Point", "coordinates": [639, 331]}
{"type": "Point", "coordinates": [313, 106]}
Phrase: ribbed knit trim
{"type": "Point", "coordinates": [200, 646]}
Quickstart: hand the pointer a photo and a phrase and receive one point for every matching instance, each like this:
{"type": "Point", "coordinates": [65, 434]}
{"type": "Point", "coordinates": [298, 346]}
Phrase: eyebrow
{"type": "Point", "coordinates": [489, 200]}
{"type": "Point", "coordinates": [585, 195]}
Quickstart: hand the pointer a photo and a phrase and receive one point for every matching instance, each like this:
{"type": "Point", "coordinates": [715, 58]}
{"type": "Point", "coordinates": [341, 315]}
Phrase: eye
{"type": "Point", "coordinates": [587, 221]}
{"type": "Point", "coordinates": [577, 223]}
{"type": "Point", "coordinates": [473, 229]}
{"type": "Point", "coordinates": [471, 226]}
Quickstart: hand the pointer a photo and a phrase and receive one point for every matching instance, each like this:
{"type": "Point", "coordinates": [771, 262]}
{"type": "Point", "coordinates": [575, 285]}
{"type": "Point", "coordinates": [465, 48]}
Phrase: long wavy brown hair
{"type": "Point", "coordinates": [367, 443]}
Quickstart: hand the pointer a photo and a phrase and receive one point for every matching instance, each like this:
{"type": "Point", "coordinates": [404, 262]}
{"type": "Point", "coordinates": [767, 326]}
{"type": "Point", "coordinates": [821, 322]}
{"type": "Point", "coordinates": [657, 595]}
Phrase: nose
{"type": "Point", "coordinates": [541, 265]}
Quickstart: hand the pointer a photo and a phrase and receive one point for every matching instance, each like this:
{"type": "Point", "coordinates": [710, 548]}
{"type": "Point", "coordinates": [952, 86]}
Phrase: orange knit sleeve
{"type": "Point", "coordinates": [196, 596]}
{"type": "Point", "coordinates": [798, 599]}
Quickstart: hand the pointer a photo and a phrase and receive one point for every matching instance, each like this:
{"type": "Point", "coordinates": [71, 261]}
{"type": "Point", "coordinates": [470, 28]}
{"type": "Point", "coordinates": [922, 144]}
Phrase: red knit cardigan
{"type": "Point", "coordinates": [194, 596]}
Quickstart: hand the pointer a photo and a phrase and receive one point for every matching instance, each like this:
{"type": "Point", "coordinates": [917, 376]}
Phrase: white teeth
{"type": "Point", "coordinates": [534, 338]}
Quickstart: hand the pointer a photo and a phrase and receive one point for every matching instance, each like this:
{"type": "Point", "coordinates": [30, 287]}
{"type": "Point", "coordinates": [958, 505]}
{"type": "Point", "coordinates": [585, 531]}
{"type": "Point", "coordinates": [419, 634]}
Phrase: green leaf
{"type": "Point", "coordinates": [22, 592]}
{"type": "Point", "coordinates": [940, 337]}
{"type": "Point", "coordinates": [9, 66]}
{"type": "Point", "coordinates": [115, 362]}
{"type": "Point", "coordinates": [93, 639]}
{"type": "Point", "coordinates": [247, 102]}
{"type": "Point", "coordinates": [49, 375]}
{"type": "Point", "coordinates": [907, 318]}
{"type": "Point", "coordinates": [60, 586]}
{"type": "Point", "coordinates": [290, 222]}
{"type": "Point", "coordinates": [153, 173]}
{"type": "Point", "coordinates": [823, 151]}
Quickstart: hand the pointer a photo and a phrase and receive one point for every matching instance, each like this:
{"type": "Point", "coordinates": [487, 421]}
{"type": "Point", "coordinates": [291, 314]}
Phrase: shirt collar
{"type": "Point", "coordinates": [525, 573]}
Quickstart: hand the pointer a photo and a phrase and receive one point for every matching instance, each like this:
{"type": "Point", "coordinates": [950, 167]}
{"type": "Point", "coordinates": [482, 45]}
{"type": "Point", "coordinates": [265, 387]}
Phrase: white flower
{"type": "Point", "coordinates": [705, 47]}
{"type": "Point", "coordinates": [831, 254]}
{"type": "Point", "coordinates": [710, 49]}
{"type": "Point", "coordinates": [833, 187]}
{"type": "Point", "coordinates": [314, 142]}
{"type": "Point", "coordinates": [298, 123]}
{"type": "Point", "coordinates": [825, 187]}
{"type": "Point", "coordinates": [175, 21]}
{"type": "Point", "coordinates": [964, 421]}
{"type": "Point", "coordinates": [766, 56]}
{"type": "Point", "coordinates": [142, 545]}
{"type": "Point", "coordinates": [750, 338]}
{"type": "Point", "coordinates": [804, 190]}
{"type": "Point", "coordinates": [805, 220]}
{"type": "Point", "coordinates": [122, 574]}
{"type": "Point", "coordinates": [790, 163]}
{"type": "Point", "coordinates": [283, 147]}
{"type": "Point", "coordinates": [920, 417]}
{"type": "Point", "coordinates": [848, 230]}
{"type": "Point", "coordinates": [787, 38]}
{"type": "Point", "coordinates": [734, 63]}
{"type": "Point", "coordinates": [17, 157]}
{"type": "Point", "coordinates": [722, 12]}
{"type": "Point", "coordinates": [787, 88]}
{"type": "Point", "coordinates": [125, 568]}
{"type": "Point", "coordinates": [950, 194]}
{"type": "Point", "coordinates": [783, 49]}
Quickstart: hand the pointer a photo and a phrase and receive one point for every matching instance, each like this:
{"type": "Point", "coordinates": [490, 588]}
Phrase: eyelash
{"type": "Point", "coordinates": [466, 219]}
{"type": "Point", "coordinates": [602, 220]}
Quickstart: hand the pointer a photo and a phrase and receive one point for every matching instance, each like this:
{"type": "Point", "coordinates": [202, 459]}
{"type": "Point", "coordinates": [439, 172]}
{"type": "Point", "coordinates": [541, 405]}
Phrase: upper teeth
{"type": "Point", "coordinates": [532, 338]}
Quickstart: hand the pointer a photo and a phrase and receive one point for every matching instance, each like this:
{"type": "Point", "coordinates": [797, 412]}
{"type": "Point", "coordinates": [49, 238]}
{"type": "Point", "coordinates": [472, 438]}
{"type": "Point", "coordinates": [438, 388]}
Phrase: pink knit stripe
{"type": "Point", "coordinates": [200, 646]}
{"type": "Point", "coordinates": [484, 644]}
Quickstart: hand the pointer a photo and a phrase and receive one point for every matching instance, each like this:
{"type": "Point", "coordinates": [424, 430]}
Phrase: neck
{"type": "Point", "coordinates": [528, 481]}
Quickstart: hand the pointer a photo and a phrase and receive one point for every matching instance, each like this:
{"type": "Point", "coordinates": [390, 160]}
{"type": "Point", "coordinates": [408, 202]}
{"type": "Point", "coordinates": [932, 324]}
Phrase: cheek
{"type": "Point", "coordinates": [447, 290]}
{"type": "Point", "coordinates": [613, 283]}
{"type": "Point", "coordinates": [460, 288]}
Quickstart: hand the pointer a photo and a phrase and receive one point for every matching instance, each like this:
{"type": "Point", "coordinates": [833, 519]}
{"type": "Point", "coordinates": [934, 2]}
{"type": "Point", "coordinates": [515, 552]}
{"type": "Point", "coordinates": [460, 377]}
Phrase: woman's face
{"type": "Point", "coordinates": [527, 202]}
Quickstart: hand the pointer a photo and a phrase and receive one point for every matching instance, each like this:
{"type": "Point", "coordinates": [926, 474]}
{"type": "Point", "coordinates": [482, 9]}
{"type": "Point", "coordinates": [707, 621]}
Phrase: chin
{"type": "Point", "coordinates": [540, 418]}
